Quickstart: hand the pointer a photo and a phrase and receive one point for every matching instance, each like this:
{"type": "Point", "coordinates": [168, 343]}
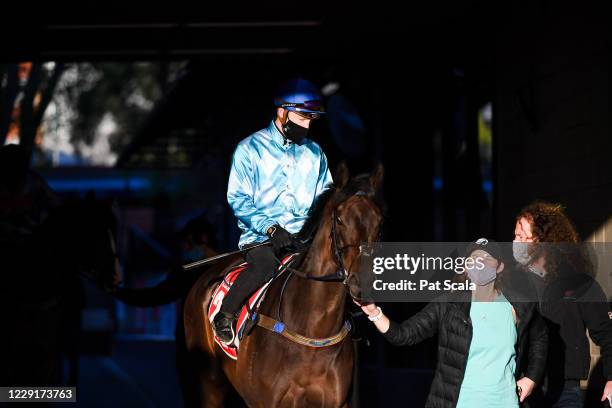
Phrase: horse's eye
{"type": "Point", "coordinates": [338, 220]}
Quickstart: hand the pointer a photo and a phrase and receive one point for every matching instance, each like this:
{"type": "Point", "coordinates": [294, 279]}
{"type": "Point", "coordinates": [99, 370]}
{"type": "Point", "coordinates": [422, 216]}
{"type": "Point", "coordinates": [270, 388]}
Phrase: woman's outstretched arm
{"type": "Point", "coordinates": [419, 327]}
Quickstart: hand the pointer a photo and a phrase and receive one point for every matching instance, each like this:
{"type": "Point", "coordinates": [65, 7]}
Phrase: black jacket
{"type": "Point", "coordinates": [450, 319]}
{"type": "Point", "coordinates": [570, 304]}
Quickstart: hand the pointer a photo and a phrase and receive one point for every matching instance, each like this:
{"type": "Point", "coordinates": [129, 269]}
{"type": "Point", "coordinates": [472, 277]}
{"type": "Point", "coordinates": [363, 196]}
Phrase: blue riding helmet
{"type": "Point", "coordinates": [302, 96]}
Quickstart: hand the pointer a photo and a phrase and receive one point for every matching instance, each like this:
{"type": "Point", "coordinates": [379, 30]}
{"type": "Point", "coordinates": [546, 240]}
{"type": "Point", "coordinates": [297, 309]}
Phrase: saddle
{"type": "Point", "coordinates": [247, 313]}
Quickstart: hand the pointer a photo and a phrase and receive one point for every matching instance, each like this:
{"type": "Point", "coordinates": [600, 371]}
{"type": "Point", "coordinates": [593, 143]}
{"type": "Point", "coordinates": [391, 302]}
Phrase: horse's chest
{"type": "Point", "coordinates": [289, 375]}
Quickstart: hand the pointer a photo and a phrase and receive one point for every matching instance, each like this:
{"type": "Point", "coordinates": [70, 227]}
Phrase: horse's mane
{"type": "Point", "coordinates": [315, 214]}
{"type": "Point", "coordinates": [359, 183]}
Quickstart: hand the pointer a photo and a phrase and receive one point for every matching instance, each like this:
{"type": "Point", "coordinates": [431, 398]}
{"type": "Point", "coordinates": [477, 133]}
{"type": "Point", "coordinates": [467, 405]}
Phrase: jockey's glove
{"type": "Point", "coordinates": [280, 238]}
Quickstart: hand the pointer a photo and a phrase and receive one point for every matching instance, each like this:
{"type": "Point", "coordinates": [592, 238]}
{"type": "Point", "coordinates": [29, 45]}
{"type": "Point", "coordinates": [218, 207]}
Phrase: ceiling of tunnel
{"type": "Point", "coordinates": [132, 30]}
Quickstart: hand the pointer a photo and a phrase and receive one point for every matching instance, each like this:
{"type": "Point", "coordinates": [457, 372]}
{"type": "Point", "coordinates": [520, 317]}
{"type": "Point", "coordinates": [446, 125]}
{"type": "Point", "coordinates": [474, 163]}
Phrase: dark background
{"type": "Point", "coordinates": [412, 78]}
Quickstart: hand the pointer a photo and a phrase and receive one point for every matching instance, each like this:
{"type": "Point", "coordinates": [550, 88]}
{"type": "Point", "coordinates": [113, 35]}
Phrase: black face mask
{"type": "Point", "coordinates": [294, 132]}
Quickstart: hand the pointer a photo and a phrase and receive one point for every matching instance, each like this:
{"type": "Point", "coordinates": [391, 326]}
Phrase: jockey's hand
{"type": "Point", "coordinates": [280, 238]}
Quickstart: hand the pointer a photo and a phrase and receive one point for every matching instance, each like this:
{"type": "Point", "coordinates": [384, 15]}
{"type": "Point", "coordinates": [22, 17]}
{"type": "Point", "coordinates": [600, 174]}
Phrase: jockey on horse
{"type": "Point", "coordinates": [276, 175]}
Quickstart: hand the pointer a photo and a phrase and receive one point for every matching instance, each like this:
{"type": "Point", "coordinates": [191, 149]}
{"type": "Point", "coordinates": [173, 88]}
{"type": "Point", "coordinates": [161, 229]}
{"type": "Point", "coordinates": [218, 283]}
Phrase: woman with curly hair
{"type": "Point", "coordinates": [570, 300]}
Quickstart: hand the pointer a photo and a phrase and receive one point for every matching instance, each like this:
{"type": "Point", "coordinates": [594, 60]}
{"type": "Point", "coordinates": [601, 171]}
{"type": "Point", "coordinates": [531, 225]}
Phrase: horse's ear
{"type": "Point", "coordinates": [377, 177]}
{"type": "Point", "coordinates": [341, 175]}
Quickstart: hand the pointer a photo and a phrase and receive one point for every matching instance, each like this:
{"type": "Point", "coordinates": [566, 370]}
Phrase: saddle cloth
{"type": "Point", "coordinates": [253, 302]}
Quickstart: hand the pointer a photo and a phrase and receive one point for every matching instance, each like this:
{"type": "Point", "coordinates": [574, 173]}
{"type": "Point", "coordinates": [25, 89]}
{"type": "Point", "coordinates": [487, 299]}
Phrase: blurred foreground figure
{"type": "Point", "coordinates": [46, 249]}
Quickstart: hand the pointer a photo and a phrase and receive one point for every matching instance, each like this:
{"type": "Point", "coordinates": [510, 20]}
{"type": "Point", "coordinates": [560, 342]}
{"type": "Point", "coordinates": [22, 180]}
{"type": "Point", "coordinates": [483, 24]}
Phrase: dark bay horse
{"type": "Point", "coordinates": [271, 370]}
{"type": "Point", "coordinates": [41, 295]}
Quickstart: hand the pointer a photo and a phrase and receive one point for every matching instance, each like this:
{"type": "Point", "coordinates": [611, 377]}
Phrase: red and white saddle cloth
{"type": "Point", "coordinates": [253, 302]}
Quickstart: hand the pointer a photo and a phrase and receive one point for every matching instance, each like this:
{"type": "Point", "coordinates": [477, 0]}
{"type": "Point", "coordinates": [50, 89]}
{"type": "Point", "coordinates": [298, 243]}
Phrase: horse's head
{"type": "Point", "coordinates": [355, 216]}
{"type": "Point", "coordinates": [84, 235]}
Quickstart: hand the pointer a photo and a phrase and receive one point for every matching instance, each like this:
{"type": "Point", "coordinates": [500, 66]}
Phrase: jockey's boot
{"type": "Point", "coordinates": [262, 265]}
{"type": "Point", "coordinates": [224, 327]}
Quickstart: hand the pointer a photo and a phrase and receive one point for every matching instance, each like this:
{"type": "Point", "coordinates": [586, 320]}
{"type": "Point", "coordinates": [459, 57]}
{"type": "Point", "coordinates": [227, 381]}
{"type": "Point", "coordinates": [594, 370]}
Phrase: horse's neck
{"type": "Point", "coordinates": [315, 308]}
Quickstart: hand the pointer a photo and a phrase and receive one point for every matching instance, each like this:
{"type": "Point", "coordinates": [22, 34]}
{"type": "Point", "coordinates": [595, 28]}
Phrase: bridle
{"type": "Point", "coordinates": [341, 274]}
